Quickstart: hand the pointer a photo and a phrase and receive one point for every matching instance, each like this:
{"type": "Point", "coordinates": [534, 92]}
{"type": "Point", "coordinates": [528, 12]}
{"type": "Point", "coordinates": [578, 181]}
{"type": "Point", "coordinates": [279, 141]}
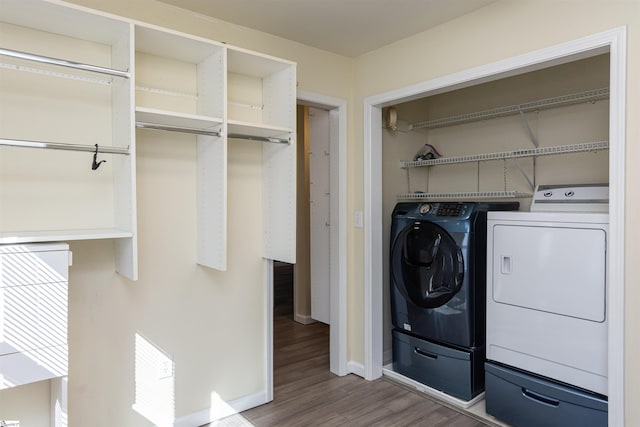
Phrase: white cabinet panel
{"type": "Point", "coordinates": [31, 366]}
{"type": "Point", "coordinates": [33, 312]}
{"type": "Point", "coordinates": [320, 213]}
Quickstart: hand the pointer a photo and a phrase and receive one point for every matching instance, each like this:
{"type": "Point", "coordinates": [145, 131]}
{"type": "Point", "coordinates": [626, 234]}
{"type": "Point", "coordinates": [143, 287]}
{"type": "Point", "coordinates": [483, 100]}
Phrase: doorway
{"type": "Point", "coordinates": [338, 237]}
{"type": "Point", "coordinates": [337, 109]}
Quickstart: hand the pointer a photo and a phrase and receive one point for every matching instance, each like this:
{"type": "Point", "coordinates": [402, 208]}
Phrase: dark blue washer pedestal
{"type": "Point", "coordinates": [527, 400]}
{"type": "Point", "coordinates": [459, 373]}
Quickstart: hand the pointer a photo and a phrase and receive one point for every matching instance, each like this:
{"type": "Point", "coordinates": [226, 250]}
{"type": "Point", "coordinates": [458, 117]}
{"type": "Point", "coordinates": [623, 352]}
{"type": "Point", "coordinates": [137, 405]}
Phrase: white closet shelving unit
{"type": "Point", "coordinates": [261, 104]}
{"type": "Point", "coordinates": [90, 78]}
{"type": "Point", "coordinates": [560, 101]}
{"type": "Point", "coordinates": [180, 87]}
{"type": "Point", "coordinates": [59, 63]}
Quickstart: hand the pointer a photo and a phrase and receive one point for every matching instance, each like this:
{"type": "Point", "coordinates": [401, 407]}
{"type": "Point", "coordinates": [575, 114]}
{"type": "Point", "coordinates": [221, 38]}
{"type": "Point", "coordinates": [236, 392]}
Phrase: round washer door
{"type": "Point", "coordinates": [426, 264]}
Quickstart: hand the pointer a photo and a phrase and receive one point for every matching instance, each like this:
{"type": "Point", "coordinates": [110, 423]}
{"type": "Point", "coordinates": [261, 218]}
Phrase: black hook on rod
{"type": "Point", "coordinates": [96, 164]}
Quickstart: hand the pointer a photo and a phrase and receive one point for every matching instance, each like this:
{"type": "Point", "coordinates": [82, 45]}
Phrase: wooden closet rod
{"type": "Point", "coordinates": [63, 146]}
{"type": "Point", "coordinates": [63, 63]}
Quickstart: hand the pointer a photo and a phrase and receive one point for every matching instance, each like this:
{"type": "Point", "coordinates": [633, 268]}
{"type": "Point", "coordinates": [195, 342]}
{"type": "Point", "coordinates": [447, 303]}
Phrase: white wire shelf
{"type": "Point", "coordinates": [468, 195]}
{"type": "Point", "coordinates": [525, 152]}
{"type": "Point", "coordinates": [558, 101]}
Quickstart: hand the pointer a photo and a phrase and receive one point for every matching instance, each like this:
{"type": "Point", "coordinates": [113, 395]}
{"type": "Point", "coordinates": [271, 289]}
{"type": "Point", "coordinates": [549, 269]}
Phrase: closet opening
{"type": "Point", "coordinates": [510, 181]}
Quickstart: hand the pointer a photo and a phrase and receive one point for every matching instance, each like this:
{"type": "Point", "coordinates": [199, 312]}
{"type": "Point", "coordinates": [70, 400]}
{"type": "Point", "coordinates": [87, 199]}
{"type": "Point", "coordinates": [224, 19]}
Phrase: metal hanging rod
{"type": "Point", "coordinates": [105, 81]}
{"type": "Point", "coordinates": [64, 146]}
{"type": "Point", "coordinates": [63, 63]}
{"type": "Point", "coordinates": [559, 101]}
{"type": "Point", "coordinates": [153, 126]}
{"type": "Point", "coordinates": [259, 138]}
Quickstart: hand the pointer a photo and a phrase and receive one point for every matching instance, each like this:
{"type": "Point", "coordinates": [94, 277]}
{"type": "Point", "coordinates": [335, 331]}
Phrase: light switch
{"type": "Point", "coordinates": [357, 219]}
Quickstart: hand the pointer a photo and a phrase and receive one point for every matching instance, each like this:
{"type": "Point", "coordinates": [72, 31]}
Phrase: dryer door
{"type": "Point", "coordinates": [426, 264]}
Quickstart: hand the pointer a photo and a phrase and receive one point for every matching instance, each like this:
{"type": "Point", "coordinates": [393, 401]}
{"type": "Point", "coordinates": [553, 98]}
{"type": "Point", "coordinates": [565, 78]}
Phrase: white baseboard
{"type": "Point", "coordinates": [220, 409]}
{"type": "Point", "coordinates": [305, 320]}
{"type": "Point", "coordinates": [355, 368]}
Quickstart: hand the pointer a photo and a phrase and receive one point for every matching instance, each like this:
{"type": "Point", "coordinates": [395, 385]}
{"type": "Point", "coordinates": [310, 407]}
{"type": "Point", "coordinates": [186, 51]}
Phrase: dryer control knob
{"type": "Point", "coordinates": [425, 209]}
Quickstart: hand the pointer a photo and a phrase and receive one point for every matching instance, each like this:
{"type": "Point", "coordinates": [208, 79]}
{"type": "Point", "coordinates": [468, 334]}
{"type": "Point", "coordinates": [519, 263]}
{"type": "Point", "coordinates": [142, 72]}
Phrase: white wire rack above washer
{"type": "Point", "coordinates": [523, 152]}
{"type": "Point", "coordinates": [466, 195]}
{"type": "Point", "coordinates": [558, 101]}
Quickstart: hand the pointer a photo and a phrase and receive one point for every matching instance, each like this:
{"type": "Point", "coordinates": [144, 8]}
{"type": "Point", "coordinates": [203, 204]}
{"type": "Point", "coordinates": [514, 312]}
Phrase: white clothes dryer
{"type": "Point", "coordinates": [547, 295]}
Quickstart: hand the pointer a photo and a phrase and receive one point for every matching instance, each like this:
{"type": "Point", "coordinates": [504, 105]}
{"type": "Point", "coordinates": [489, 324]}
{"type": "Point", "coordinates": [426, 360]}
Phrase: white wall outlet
{"type": "Point", "coordinates": [165, 368]}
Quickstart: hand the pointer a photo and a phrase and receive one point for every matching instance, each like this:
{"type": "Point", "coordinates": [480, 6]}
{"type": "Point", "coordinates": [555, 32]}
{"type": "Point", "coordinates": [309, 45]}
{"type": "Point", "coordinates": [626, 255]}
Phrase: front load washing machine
{"type": "Point", "coordinates": [437, 284]}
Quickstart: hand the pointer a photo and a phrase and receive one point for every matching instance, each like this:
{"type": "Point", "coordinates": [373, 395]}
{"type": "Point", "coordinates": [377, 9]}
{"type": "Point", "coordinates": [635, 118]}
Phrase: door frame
{"type": "Point", "coordinates": [612, 41]}
{"type": "Point", "coordinates": [338, 220]}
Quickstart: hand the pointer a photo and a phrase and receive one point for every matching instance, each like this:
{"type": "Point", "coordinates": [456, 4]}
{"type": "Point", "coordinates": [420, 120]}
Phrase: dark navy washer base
{"type": "Point", "coordinates": [457, 372]}
{"type": "Point", "coordinates": [523, 399]}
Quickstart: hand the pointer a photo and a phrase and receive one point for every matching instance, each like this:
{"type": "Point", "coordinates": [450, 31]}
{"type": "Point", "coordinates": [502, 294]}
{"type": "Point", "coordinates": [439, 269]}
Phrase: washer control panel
{"type": "Point", "coordinates": [443, 209]}
{"type": "Point", "coordinates": [450, 209]}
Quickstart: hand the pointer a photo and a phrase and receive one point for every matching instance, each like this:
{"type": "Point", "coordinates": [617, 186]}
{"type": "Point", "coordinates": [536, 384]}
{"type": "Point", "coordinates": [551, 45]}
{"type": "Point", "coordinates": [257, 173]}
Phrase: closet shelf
{"type": "Point", "coordinates": [525, 152]}
{"type": "Point", "coordinates": [257, 130]}
{"type": "Point", "coordinates": [174, 119]}
{"type": "Point", "coordinates": [63, 146]}
{"type": "Point", "coordinates": [63, 63]}
{"type": "Point", "coordinates": [62, 235]}
{"type": "Point", "coordinates": [558, 101]}
{"type": "Point", "coordinates": [469, 195]}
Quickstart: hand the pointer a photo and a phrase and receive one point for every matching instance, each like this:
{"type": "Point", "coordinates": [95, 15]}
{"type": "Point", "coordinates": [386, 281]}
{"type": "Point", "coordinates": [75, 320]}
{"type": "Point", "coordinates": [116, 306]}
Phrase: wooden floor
{"type": "Point", "coordinates": [307, 394]}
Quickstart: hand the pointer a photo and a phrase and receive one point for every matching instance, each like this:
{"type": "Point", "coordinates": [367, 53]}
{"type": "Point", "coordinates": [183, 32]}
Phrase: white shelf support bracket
{"type": "Point", "coordinates": [524, 174]}
{"type": "Point", "coordinates": [525, 123]}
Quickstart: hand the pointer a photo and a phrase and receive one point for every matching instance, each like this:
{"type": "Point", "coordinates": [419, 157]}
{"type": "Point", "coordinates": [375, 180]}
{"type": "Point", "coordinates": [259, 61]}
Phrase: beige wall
{"type": "Point", "coordinates": [498, 31]}
{"type": "Point", "coordinates": [223, 312]}
{"type": "Point", "coordinates": [212, 323]}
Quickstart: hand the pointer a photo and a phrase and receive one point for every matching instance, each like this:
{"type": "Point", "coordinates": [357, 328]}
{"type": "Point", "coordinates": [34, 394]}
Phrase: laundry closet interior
{"type": "Point", "coordinates": [491, 144]}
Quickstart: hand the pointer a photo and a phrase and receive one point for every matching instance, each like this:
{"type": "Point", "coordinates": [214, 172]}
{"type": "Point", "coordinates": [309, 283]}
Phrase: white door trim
{"type": "Point", "coordinates": [338, 220]}
{"type": "Point", "coordinates": [613, 41]}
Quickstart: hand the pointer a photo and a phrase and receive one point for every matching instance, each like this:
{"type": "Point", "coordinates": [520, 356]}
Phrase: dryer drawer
{"type": "Point", "coordinates": [526, 400]}
{"type": "Point", "coordinates": [455, 372]}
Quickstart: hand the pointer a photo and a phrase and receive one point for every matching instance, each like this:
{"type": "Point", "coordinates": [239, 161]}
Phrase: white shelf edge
{"type": "Point", "coordinates": [62, 235]}
{"type": "Point", "coordinates": [171, 118]}
{"type": "Point", "coordinates": [508, 194]}
{"type": "Point", "coordinates": [525, 152]}
{"type": "Point", "coordinates": [257, 129]}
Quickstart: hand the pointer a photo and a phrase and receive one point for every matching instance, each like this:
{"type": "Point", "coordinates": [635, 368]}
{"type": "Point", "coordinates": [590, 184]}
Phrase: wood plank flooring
{"type": "Point", "coordinates": [307, 394]}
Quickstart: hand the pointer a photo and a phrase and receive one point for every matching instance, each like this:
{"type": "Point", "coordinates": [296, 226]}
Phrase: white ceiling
{"type": "Point", "coordinates": [345, 27]}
